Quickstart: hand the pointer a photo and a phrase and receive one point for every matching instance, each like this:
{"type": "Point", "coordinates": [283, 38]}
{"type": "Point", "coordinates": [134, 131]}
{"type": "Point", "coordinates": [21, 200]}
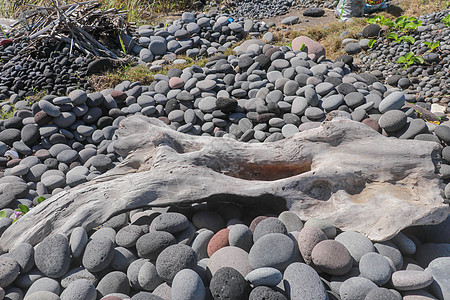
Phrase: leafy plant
{"type": "Point", "coordinates": [446, 20]}
{"type": "Point", "coordinates": [404, 23]}
{"type": "Point", "coordinates": [381, 20]}
{"type": "Point", "coordinates": [409, 59]}
{"type": "Point", "coordinates": [2, 214]}
{"type": "Point", "coordinates": [21, 210]}
{"type": "Point", "coordinates": [432, 46]}
{"type": "Point", "coordinates": [302, 47]}
{"type": "Point", "coordinates": [396, 39]}
{"type": "Point", "coordinates": [40, 199]}
{"type": "Point", "coordinates": [372, 43]}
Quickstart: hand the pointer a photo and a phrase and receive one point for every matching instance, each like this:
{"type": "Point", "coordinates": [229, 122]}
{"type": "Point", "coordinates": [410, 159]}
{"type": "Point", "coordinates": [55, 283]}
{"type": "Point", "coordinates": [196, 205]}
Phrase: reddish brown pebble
{"type": "Point", "coordinates": [41, 118]}
{"type": "Point", "coordinates": [332, 257]}
{"type": "Point", "coordinates": [219, 240]}
{"type": "Point", "coordinates": [307, 239]}
{"type": "Point", "coordinates": [119, 96]}
{"type": "Point", "coordinates": [176, 83]}
{"type": "Point", "coordinates": [165, 120]}
{"type": "Point", "coordinates": [13, 162]}
{"type": "Point", "coordinates": [372, 124]}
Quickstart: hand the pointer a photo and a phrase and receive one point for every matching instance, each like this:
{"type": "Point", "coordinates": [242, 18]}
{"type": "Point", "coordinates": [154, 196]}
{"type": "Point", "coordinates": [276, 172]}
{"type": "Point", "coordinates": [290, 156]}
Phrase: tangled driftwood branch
{"type": "Point", "coordinates": [81, 25]}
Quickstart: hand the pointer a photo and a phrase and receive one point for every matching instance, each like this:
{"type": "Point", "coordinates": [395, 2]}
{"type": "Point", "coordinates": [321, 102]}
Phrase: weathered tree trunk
{"type": "Point", "coordinates": [343, 171]}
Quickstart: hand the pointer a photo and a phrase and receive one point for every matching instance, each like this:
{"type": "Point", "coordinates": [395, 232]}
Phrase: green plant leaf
{"type": "Point", "coordinates": [23, 208]}
{"type": "Point", "coordinates": [389, 23]}
{"type": "Point", "coordinates": [411, 26]}
{"type": "Point", "coordinates": [40, 200]}
{"type": "Point", "coordinates": [371, 43]}
{"type": "Point", "coordinates": [419, 59]}
{"type": "Point", "coordinates": [435, 44]}
{"type": "Point", "coordinates": [412, 19]}
{"type": "Point", "coordinates": [409, 55]}
{"type": "Point", "coordinates": [427, 43]}
{"type": "Point", "coordinates": [401, 60]}
{"type": "Point", "coordinates": [408, 39]}
{"type": "Point", "coordinates": [400, 20]}
{"type": "Point", "coordinates": [392, 36]}
{"type": "Point", "coordinates": [122, 45]}
{"type": "Point", "coordinates": [2, 214]}
{"type": "Point", "coordinates": [302, 47]}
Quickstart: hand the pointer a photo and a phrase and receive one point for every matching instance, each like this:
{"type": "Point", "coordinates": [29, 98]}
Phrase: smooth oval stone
{"type": "Point", "coordinates": [230, 256]}
{"type": "Point", "coordinates": [269, 225]}
{"type": "Point", "coordinates": [78, 273]}
{"type": "Point", "coordinates": [170, 222]}
{"type": "Point", "coordinates": [302, 282]}
{"type": "Point", "coordinates": [389, 250]}
{"type": "Point", "coordinates": [9, 270]}
{"type": "Point", "coordinates": [129, 235]}
{"type": "Point", "coordinates": [356, 243]}
{"type": "Point", "coordinates": [44, 284]}
{"type": "Point", "coordinates": [209, 220]}
{"type": "Point", "coordinates": [240, 236]}
{"type": "Point", "coordinates": [440, 270]}
{"type": "Point", "coordinates": [356, 288]}
{"type": "Point", "coordinates": [291, 221]}
{"type": "Point", "coordinates": [174, 259]}
{"type": "Point", "coordinates": [404, 244]}
{"type": "Point", "coordinates": [218, 241]}
{"type": "Point", "coordinates": [264, 276]}
{"type": "Point", "coordinates": [274, 250]}
{"type": "Point", "coordinates": [394, 101]}
{"type": "Point", "coordinates": [375, 267]}
{"type": "Point", "coordinates": [187, 285]}
{"type": "Point", "coordinates": [42, 295]}
{"type": "Point", "coordinates": [307, 239]}
{"type": "Point", "coordinates": [148, 277]}
{"type": "Point", "coordinates": [98, 254]}
{"type": "Point", "coordinates": [200, 242]}
{"type": "Point", "coordinates": [151, 244]}
{"type": "Point", "coordinates": [80, 289]}
{"type": "Point", "coordinates": [407, 280]}
{"type": "Point", "coordinates": [113, 282]}
{"type": "Point", "coordinates": [324, 225]}
{"type": "Point", "coordinates": [382, 294]}
{"type": "Point", "coordinates": [393, 120]}
{"type": "Point", "coordinates": [52, 256]}
{"type": "Point", "coordinates": [332, 257]}
{"type": "Point", "coordinates": [24, 255]}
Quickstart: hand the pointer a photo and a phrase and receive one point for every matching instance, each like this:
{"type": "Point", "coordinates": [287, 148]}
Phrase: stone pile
{"type": "Point", "coordinates": [226, 251]}
{"type": "Point", "coordinates": [192, 35]}
{"type": "Point", "coordinates": [50, 67]}
{"type": "Point", "coordinates": [261, 9]}
{"type": "Point", "coordinates": [47, 67]}
{"type": "Point", "coordinates": [429, 82]}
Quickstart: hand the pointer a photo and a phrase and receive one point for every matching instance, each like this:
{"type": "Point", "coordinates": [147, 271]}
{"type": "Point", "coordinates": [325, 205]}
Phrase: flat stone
{"type": "Point", "coordinates": [356, 288]}
{"type": "Point", "coordinates": [230, 256]}
{"type": "Point", "coordinates": [80, 289]}
{"type": "Point", "coordinates": [264, 276]}
{"type": "Point", "coordinates": [151, 244]}
{"type": "Point", "coordinates": [313, 12]}
{"type": "Point", "coordinates": [291, 20]}
{"type": "Point", "coordinates": [356, 243]}
{"type": "Point", "coordinates": [394, 101]}
{"type": "Point", "coordinates": [274, 250]}
{"type": "Point", "coordinates": [170, 222]}
{"type": "Point", "coordinates": [406, 280]}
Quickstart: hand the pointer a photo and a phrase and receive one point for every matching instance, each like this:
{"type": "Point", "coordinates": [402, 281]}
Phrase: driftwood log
{"type": "Point", "coordinates": [342, 171]}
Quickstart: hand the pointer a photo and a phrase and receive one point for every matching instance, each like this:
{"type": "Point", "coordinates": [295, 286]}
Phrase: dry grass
{"type": "Point", "coordinates": [137, 73]}
{"type": "Point", "coordinates": [415, 8]}
{"type": "Point", "coordinates": [327, 35]}
{"type": "Point", "coordinates": [137, 9]}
